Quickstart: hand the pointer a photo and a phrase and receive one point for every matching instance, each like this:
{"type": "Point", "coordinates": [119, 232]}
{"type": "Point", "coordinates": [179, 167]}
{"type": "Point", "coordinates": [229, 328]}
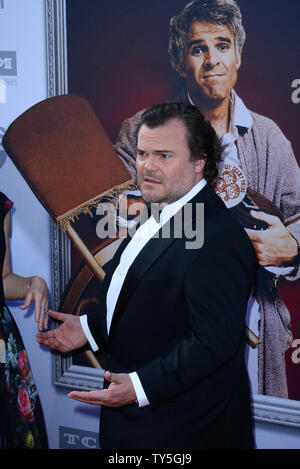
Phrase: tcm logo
{"type": "Point", "coordinates": [72, 438]}
{"type": "Point", "coordinates": [8, 62]}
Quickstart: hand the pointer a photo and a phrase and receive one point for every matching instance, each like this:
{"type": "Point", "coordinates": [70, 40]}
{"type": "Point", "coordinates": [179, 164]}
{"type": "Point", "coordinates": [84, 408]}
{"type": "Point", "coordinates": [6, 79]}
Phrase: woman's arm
{"type": "Point", "coordinates": [17, 287]}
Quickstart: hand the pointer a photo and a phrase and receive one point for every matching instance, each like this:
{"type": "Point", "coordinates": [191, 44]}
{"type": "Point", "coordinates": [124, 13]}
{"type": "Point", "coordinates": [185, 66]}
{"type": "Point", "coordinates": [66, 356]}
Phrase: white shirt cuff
{"type": "Point", "coordinates": [86, 330]}
{"type": "Point", "coordinates": [139, 391]}
{"type": "Point", "coordinates": [279, 270]}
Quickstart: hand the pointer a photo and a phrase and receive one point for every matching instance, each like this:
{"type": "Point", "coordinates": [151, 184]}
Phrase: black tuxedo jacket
{"type": "Point", "coordinates": [179, 323]}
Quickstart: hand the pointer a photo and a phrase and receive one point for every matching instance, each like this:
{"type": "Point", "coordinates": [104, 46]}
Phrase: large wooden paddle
{"type": "Point", "coordinates": [61, 150]}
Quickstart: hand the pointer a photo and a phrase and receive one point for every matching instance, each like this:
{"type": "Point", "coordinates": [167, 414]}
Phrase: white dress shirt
{"type": "Point", "coordinates": [141, 237]}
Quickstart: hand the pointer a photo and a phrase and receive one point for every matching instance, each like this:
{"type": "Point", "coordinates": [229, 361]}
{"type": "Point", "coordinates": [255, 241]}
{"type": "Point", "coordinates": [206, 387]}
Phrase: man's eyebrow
{"type": "Point", "coordinates": [156, 151]}
{"type": "Point", "coordinates": [224, 39]}
{"type": "Point", "coordinates": [201, 41]}
{"type": "Point", "coordinates": [163, 151]}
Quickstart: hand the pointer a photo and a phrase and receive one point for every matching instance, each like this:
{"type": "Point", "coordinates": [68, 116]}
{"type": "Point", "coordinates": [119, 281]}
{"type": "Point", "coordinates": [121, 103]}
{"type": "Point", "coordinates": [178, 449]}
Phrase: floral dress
{"type": "Point", "coordinates": [21, 419]}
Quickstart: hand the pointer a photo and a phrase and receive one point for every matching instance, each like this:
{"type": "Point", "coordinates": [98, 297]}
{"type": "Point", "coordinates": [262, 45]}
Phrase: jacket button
{"type": "Point", "coordinates": [109, 356]}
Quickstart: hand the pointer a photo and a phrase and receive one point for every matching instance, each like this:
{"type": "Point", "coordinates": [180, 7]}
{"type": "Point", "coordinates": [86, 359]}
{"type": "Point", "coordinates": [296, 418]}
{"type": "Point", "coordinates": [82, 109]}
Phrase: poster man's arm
{"type": "Point", "coordinates": [274, 246]}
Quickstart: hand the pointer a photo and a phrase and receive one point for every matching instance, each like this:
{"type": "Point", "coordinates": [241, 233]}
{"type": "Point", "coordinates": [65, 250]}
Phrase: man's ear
{"type": "Point", "coordinates": [199, 164]}
{"type": "Point", "coordinates": [238, 58]}
{"type": "Point", "coordinates": [181, 69]}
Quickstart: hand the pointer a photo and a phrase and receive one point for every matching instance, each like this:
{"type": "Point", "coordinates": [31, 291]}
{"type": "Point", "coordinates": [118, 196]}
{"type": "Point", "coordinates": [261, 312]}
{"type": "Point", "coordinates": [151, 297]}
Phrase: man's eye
{"type": "Point", "coordinates": [141, 154]}
{"type": "Point", "coordinates": [165, 156]}
{"type": "Point", "coordinates": [223, 47]}
{"type": "Point", "coordinates": [197, 50]}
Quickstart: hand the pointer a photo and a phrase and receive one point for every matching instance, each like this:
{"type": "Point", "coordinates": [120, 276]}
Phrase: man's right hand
{"type": "Point", "coordinates": [69, 336]}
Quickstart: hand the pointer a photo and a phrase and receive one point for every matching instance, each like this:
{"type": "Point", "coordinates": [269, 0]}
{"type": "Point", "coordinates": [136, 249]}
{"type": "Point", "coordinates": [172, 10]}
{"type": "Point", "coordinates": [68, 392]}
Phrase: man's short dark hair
{"type": "Point", "coordinates": [218, 12]}
{"type": "Point", "coordinates": [201, 137]}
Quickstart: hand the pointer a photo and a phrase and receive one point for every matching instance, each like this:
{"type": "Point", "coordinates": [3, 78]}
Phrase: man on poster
{"type": "Point", "coordinates": [175, 349]}
{"type": "Point", "coordinates": [205, 47]}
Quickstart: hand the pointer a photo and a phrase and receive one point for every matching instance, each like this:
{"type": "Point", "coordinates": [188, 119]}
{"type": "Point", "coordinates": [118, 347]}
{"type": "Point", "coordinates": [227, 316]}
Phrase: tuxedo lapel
{"type": "Point", "coordinates": [113, 263]}
{"type": "Point", "coordinates": [111, 267]}
{"type": "Point", "coordinates": [142, 263]}
{"type": "Point", "coordinates": [150, 254]}
{"type": "Point", "coordinates": [116, 258]}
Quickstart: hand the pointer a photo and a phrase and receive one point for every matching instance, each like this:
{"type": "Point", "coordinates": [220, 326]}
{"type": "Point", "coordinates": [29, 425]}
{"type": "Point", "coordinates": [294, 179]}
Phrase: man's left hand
{"type": "Point", "coordinates": [275, 245]}
{"type": "Point", "coordinates": [119, 393]}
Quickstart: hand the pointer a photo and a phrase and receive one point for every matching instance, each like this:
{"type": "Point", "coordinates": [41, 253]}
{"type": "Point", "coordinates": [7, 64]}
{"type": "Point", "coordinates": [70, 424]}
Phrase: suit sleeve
{"type": "Point", "coordinates": [217, 288]}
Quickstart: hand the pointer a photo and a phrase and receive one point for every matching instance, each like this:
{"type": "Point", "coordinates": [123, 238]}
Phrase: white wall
{"type": "Point", "coordinates": [22, 29]}
{"type": "Point", "coordinates": [276, 436]}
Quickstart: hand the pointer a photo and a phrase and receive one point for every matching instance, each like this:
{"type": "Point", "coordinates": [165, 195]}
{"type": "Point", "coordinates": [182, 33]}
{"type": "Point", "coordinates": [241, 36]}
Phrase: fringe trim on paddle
{"type": "Point", "coordinates": [72, 215]}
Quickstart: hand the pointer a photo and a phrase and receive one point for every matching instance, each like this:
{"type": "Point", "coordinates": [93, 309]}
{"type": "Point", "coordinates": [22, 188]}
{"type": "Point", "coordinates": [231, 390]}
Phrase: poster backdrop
{"type": "Point", "coordinates": [122, 65]}
{"type": "Point", "coordinates": [118, 60]}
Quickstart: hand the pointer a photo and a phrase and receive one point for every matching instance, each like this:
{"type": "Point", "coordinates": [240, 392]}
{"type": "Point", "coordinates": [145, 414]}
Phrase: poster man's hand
{"type": "Point", "coordinates": [119, 393]}
{"type": "Point", "coordinates": [69, 336]}
{"type": "Point", "coordinates": [275, 245]}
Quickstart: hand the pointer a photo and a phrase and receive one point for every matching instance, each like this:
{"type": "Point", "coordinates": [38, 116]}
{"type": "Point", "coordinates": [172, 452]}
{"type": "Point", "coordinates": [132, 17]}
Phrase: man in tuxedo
{"type": "Point", "coordinates": [171, 318]}
{"type": "Point", "coordinates": [206, 40]}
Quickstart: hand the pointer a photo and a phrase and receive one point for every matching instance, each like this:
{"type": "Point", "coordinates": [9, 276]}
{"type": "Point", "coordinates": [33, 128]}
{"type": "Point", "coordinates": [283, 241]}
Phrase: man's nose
{"type": "Point", "coordinates": [150, 163]}
{"type": "Point", "coordinates": [212, 58]}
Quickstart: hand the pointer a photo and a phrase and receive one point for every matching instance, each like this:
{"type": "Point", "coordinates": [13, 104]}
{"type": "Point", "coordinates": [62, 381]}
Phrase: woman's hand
{"type": "Point", "coordinates": [17, 287]}
{"type": "Point", "coordinates": [38, 292]}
